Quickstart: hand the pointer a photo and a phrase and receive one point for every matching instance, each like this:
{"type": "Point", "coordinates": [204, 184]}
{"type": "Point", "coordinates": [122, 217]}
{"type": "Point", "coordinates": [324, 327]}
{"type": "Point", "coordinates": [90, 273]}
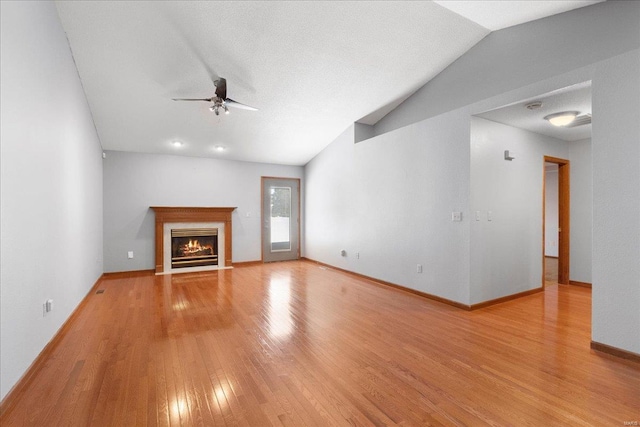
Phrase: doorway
{"type": "Point", "coordinates": [280, 219]}
{"type": "Point", "coordinates": [556, 243]}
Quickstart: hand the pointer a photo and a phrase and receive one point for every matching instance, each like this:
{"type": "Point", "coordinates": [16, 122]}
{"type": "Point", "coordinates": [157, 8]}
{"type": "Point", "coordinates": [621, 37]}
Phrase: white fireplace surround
{"type": "Point", "coordinates": [166, 257]}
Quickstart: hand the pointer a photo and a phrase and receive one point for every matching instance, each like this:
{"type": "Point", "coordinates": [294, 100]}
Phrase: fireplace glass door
{"type": "Point", "coordinates": [194, 247]}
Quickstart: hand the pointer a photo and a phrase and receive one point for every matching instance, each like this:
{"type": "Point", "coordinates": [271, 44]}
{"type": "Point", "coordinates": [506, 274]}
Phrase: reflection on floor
{"type": "Point", "coordinates": [550, 271]}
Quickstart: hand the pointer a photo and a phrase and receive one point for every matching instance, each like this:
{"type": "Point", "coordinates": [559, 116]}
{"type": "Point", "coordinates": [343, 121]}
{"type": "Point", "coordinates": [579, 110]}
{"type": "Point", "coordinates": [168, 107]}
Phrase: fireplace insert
{"type": "Point", "coordinates": [194, 247]}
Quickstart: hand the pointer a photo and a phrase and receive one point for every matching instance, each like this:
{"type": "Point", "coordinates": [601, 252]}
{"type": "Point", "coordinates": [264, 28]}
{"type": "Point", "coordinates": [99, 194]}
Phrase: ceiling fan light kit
{"type": "Point", "coordinates": [217, 106]}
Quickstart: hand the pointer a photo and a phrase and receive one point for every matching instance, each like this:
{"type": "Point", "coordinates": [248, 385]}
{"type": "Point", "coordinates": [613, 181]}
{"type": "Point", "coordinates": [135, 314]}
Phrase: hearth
{"type": "Point", "coordinates": [194, 247]}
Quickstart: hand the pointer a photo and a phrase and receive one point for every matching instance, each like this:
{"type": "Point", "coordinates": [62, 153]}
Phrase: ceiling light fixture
{"type": "Point", "coordinates": [219, 148]}
{"type": "Point", "coordinates": [177, 143]}
{"type": "Point", "coordinates": [218, 104]}
{"type": "Point", "coordinates": [562, 119]}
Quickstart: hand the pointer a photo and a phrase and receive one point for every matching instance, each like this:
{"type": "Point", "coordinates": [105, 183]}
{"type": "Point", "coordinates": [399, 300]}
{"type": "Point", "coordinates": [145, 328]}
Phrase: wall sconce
{"type": "Point", "coordinates": [509, 155]}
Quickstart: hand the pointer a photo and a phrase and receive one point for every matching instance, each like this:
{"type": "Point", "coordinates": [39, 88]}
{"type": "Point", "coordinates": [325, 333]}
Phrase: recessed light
{"type": "Point", "coordinates": [220, 148]}
{"type": "Point", "coordinates": [177, 143]}
{"type": "Point", "coordinates": [561, 119]}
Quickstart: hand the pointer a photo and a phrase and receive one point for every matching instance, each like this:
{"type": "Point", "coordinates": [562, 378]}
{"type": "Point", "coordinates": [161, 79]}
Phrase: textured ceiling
{"type": "Point", "coordinates": [573, 98]}
{"type": "Point", "coordinates": [312, 69]}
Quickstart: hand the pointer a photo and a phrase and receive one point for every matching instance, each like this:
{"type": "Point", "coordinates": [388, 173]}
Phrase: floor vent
{"type": "Point", "coordinates": [100, 291]}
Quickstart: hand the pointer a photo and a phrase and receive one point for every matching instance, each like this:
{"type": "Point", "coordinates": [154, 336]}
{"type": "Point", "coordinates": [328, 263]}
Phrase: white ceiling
{"type": "Point", "coordinates": [498, 14]}
{"type": "Point", "coordinates": [312, 68]}
{"type": "Point", "coordinates": [573, 98]}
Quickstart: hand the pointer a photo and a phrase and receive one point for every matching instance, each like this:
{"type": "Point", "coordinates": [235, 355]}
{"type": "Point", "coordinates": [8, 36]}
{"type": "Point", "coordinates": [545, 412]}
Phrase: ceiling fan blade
{"type": "Point", "coordinates": [193, 99]}
{"type": "Point", "coordinates": [221, 88]}
{"type": "Point", "coordinates": [231, 103]}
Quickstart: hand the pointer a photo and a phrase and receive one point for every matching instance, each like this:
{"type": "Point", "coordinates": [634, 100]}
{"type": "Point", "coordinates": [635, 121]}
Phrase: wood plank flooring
{"type": "Point", "coordinates": [550, 271]}
{"type": "Point", "coordinates": [295, 344]}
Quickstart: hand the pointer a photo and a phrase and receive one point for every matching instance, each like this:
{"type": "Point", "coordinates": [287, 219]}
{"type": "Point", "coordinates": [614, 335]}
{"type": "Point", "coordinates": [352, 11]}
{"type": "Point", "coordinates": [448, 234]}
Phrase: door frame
{"type": "Point", "coordinates": [564, 217]}
{"type": "Point", "coordinates": [262, 234]}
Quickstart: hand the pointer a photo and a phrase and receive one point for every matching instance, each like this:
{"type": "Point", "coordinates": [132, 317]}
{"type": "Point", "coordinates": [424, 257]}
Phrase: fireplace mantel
{"type": "Point", "coordinates": [191, 214]}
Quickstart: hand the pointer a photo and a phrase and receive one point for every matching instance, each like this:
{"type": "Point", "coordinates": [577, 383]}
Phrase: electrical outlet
{"type": "Point", "coordinates": [456, 216]}
{"type": "Point", "coordinates": [47, 307]}
{"type": "Point", "coordinates": [419, 268]}
{"type": "Point", "coordinates": [130, 254]}
{"type": "Point", "coordinates": [357, 255]}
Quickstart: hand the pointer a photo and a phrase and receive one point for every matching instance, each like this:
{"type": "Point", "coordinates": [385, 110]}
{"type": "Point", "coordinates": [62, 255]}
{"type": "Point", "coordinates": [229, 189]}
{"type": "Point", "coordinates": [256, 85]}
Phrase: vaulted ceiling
{"type": "Point", "coordinates": [311, 68]}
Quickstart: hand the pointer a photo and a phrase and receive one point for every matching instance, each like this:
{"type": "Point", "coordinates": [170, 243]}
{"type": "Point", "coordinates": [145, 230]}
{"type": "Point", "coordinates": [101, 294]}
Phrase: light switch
{"type": "Point", "coordinates": [478, 215]}
{"type": "Point", "coordinates": [489, 216]}
{"type": "Point", "coordinates": [130, 254]}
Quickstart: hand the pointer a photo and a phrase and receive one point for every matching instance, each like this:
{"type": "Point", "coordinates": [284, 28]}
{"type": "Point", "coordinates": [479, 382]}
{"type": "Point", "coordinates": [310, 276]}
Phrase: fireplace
{"type": "Point", "coordinates": [170, 219]}
{"type": "Point", "coordinates": [194, 247]}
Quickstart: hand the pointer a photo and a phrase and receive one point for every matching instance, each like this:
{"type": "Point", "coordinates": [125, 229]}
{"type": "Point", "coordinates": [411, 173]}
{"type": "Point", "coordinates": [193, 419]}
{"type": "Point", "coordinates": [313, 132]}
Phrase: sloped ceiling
{"type": "Point", "coordinates": [499, 14]}
{"type": "Point", "coordinates": [312, 69]}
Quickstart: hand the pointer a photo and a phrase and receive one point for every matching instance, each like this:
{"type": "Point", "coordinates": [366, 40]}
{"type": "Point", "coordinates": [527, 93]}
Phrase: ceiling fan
{"type": "Point", "coordinates": [220, 100]}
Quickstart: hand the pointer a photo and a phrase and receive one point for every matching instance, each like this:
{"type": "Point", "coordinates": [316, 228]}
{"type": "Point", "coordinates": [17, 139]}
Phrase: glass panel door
{"type": "Point", "coordinates": [280, 216]}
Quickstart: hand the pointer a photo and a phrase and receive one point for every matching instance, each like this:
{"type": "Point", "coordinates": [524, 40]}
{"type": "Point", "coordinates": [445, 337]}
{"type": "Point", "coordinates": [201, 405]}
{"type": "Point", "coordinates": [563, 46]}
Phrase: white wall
{"type": "Point", "coordinates": [51, 196]}
{"type": "Point", "coordinates": [506, 253]}
{"type": "Point", "coordinates": [551, 212]}
{"type": "Point", "coordinates": [133, 182]}
{"type": "Point", "coordinates": [406, 183]}
{"type": "Point", "coordinates": [390, 198]}
{"type": "Point", "coordinates": [616, 201]}
{"type": "Point", "coordinates": [581, 210]}
{"type": "Point", "coordinates": [505, 69]}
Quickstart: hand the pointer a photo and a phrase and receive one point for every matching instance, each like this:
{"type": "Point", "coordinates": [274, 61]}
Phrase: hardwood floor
{"type": "Point", "coordinates": [296, 344]}
{"type": "Point", "coordinates": [550, 271]}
